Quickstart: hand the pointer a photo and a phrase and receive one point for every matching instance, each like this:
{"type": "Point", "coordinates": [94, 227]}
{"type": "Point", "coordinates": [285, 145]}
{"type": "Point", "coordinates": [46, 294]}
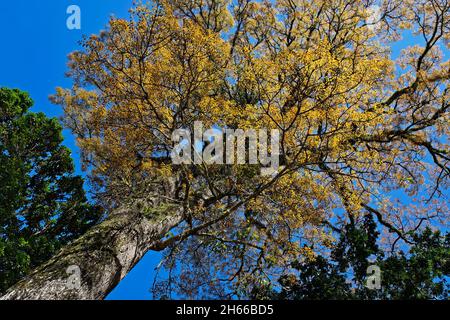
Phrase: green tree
{"type": "Point", "coordinates": [42, 203]}
{"type": "Point", "coordinates": [420, 273]}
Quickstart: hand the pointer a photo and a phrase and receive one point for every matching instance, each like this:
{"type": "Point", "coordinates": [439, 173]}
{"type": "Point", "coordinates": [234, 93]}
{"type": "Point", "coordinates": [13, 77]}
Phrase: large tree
{"type": "Point", "coordinates": [42, 203]}
{"type": "Point", "coordinates": [356, 127]}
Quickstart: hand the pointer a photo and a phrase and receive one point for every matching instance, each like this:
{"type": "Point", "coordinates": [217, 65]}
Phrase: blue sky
{"type": "Point", "coordinates": [33, 57]}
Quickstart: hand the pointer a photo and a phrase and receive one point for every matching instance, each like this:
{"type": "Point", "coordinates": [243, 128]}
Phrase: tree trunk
{"type": "Point", "coordinates": [104, 255]}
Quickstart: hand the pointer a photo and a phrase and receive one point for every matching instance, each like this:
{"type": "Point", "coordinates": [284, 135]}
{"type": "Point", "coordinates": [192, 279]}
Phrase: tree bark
{"type": "Point", "coordinates": [104, 255]}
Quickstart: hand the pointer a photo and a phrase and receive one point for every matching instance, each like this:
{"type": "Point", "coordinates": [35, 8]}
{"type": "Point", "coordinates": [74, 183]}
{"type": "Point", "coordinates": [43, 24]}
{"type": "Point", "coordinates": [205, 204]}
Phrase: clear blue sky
{"type": "Point", "coordinates": [35, 43]}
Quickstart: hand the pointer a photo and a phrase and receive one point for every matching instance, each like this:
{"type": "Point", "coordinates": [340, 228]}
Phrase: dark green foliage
{"type": "Point", "coordinates": [42, 203]}
{"type": "Point", "coordinates": [315, 281]}
{"type": "Point", "coordinates": [421, 273]}
{"type": "Point", "coordinates": [357, 244]}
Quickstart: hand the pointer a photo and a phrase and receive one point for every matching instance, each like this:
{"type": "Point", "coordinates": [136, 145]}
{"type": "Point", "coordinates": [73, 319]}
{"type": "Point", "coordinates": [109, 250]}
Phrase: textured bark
{"type": "Point", "coordinates": [104, 255]}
